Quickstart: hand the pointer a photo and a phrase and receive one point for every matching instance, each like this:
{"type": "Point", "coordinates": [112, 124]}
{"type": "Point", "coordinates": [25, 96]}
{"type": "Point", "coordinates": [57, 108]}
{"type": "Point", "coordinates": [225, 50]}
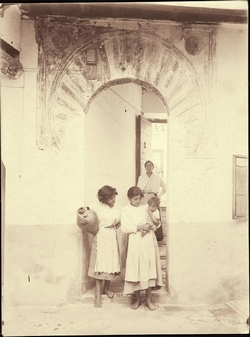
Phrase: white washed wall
{"type": "Point", "coordinates": [208, 250]}
{"type": "Point", "coordinates": [43, 245]}
{"type": "Point", "coordinates": [110, 141]}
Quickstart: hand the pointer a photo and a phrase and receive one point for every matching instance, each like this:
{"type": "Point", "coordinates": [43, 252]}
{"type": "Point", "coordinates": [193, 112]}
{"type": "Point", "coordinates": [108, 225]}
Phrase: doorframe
{"type": "Point", "coordinates": [138, 142]}
{"type": "Point", "coordinates": [137, 148]}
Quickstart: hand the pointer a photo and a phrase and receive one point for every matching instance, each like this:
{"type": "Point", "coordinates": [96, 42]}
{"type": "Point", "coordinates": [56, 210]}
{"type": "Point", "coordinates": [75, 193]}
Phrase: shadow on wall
{"type": "Point", "coordinates": [87, 282]}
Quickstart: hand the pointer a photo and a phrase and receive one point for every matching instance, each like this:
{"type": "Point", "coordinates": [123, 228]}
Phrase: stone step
{"type": "Point", "coordinates": [89, 298]}
{"type": "Point", "coordinates": [163, 264]}
{"type": "Point", "coordinates": [117, 287]}
{"type": "Point", "coordinates": [164, 229]}
{"type": "Point", "coordinates": [161, 297]}
{"type": "Point", "coordinates": [162, 250]}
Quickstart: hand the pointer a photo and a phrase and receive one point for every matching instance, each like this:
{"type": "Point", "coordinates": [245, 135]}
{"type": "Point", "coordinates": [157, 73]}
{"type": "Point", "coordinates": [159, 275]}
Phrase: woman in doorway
{"type": "Point", "coordinates": [143, 267]}
{"type": "Point", "coordinates": [104, 258]}
{"type": "Point", "coordinates": [152, 185]}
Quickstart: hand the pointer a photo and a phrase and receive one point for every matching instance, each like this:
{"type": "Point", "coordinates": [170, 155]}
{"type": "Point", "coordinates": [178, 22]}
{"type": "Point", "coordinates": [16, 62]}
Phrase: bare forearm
{"type": "Point", "coordinates": [145, 227]}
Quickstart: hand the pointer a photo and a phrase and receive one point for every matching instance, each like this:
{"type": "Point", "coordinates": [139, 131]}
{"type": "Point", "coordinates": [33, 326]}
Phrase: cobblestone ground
{"type": "Point", "coordinates": [117, 318]}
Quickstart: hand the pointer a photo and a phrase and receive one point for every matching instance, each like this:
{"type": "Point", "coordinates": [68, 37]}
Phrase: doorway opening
{"type": "Point", "coordinates": [111, 148]}
{"type": "Point", "coordinates": [152, 136]}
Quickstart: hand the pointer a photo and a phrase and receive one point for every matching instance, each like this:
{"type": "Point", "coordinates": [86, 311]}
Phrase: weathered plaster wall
{"type": "Point", "coordinates": [131, 51]}
{"type": "Point", "coordinates": [208, 261]}
{"type": "Point", "coordinates": [42, 264]}
{"type": "Point", "coordinates": [10, 26]}
{"type": "Point", "coordinates": [43, 260]}
{"type": "Point", "coordinates": [209, 250]}
{"type": "Point", "coordinates": [44, 176]}
{"type": "Point", "coordinates": [38, 180]}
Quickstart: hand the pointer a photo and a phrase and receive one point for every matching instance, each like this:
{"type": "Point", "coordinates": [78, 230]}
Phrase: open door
{"type": "Point", "coordinates": [143, 143]}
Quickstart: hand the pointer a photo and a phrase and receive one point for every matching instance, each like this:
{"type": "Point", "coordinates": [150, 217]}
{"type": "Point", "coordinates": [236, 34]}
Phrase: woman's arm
{"type": "Point", "coordinates": [128, 225]}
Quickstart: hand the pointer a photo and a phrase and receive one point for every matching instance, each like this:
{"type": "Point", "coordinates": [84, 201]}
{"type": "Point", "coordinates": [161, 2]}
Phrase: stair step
{"type": "Point", "coordinates": [162, 250]}
{"type": "Point", "coordinates": [163, 264]}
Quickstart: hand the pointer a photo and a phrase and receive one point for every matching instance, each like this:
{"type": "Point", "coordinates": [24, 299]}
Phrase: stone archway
{"type": "Point", "coordinates": [135, 57]}
{"type": "Point", "coordinates": [69, 80]}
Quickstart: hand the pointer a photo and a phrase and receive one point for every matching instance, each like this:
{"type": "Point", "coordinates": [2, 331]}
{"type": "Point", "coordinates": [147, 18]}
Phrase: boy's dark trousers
{"type": "Point", "coordinates": [159, 231]}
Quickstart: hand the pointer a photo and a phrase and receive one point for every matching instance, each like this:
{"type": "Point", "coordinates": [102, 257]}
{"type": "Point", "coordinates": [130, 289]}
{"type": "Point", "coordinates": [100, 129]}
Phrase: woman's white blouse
{"type": "Point", "coordinates": [107, 216]}
{"type": "Point", "coordinates": [132, 217]}
{"type": "Point", "coordinates": [151, 184]}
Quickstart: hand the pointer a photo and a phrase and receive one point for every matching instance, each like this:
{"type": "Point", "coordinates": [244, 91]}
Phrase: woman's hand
{"type": "Point", "coordinates": [84, 221]}
{"type": "Point", "coordinates": [145, 227]}
{"type": "Point", "coordinates": [153, 227]}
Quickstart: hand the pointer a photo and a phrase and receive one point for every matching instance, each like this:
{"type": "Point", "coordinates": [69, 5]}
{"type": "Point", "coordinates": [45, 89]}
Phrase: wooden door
{"type": "Point", "coordinates": [143, 143]}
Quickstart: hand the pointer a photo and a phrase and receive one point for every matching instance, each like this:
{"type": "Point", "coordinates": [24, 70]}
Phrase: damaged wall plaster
{"type": "Point", "coordinates": [172, 58]}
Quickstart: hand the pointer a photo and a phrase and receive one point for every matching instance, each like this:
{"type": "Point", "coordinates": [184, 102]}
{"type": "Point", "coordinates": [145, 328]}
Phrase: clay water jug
{"type": "Point", "coordinates": [92, 226]}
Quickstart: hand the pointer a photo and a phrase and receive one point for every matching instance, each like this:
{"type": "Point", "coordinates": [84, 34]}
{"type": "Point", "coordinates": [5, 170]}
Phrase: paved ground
{"type": "Point", "coordinates": [117, 318]}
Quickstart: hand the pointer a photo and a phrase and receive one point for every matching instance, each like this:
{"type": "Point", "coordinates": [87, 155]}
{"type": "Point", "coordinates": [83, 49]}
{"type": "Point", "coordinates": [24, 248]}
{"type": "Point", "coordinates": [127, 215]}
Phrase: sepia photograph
{"type": "Point", "coordinates": [124, 168]}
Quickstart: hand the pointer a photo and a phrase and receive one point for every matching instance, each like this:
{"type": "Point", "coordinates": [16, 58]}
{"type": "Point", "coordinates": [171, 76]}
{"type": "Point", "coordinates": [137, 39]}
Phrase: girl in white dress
{"type": "Point", "coordinates": [104, 258]}
{"type": "Point", "coordinates": [143, 268]}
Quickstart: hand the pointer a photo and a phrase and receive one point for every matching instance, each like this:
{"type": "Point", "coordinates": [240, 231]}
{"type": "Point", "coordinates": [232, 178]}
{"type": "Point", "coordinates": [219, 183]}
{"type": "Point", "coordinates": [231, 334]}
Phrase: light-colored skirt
{"type": "Point", "coordinates": [155, 284]}
{"type": "Point", "coordinates": [104, 257]}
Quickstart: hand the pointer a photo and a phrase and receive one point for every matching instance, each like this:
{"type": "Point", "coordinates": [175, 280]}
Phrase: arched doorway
{"type": "Point", "coordinates": [124, 98]}
{"type": "Point", "coordinates": [111, 154]}
{"type": "Point", "coordinates": [148, 60]}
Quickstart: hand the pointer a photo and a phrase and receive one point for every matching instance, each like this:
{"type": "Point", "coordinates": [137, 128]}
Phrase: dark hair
{"type": "Point", "coordinates": [134, 191]}
{"type": "Point", "coordinates": [149, 161]}
{"type": "Point", "coordinates": [105, 193]}
{"type": "Point", "coordinates": [154, 201]}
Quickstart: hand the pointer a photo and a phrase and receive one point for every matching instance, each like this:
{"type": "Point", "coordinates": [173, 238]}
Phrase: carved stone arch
{"type": "Point", "coordinates": [139, 57]}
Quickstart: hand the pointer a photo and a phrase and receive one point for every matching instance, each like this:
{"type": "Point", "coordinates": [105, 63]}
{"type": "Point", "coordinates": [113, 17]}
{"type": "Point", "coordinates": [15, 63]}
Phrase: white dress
{"type": "Point", "coordinates": [106, 256]}
{"type": "Point", "coordinates": [143, 267]}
